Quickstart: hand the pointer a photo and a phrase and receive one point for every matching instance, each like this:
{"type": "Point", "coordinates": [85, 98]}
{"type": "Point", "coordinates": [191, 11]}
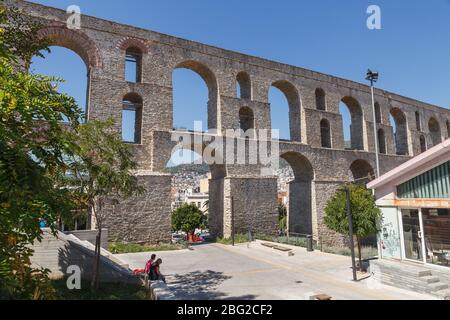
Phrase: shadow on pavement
{"type": "Point", "coordinates": [201, 285]}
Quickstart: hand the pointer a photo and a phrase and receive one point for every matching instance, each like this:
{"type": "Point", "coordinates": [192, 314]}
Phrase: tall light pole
{"type": "Point", "coordinates": [373, 77]}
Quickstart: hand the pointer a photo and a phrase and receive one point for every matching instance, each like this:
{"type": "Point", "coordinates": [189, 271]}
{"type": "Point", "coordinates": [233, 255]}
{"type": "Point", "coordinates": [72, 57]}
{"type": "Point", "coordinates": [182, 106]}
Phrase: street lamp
{"type": "Point", "coordinates": [373, 77]}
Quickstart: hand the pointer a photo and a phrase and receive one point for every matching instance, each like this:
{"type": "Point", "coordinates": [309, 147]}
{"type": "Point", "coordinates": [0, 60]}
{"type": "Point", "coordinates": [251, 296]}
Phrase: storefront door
{"type": "Point", "coordinates": [412, 234]}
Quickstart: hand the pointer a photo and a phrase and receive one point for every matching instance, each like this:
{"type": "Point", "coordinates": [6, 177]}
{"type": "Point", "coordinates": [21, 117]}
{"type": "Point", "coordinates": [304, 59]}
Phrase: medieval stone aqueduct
{"type": "Point", "coordinates": [316, 153]}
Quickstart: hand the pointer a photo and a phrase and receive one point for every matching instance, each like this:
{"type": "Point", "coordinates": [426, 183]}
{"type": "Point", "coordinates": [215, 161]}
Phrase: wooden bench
{"type": "Point", "coordinates": [276, 247]}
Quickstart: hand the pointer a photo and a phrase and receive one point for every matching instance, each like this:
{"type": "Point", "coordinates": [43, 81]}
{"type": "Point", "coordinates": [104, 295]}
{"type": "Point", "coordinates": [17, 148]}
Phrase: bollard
{"type": "Point", "coordinates": [309, 243]}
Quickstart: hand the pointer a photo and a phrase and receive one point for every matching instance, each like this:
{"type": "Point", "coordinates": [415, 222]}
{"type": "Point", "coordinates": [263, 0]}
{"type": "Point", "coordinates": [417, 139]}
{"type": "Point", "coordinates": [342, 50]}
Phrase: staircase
{"type": "Point", "coordinates": [412, 277]}
{"type": "Point", "coordinates": [57, 253]}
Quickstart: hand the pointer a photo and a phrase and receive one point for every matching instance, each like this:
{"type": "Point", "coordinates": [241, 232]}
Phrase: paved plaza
{"type": "Point", "coordinates": [215, 271]}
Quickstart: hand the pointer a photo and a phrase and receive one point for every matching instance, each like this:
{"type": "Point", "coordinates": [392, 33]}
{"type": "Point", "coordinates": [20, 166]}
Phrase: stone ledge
{"type": "Point", "coordinates": [160, 291]}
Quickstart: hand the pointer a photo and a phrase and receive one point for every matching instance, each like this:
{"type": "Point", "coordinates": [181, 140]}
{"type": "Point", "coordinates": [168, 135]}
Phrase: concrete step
{"type": "Point", "coordinates": [444, 294]}
{"type": "Point", "coordinates": [424, 273]}
{"type": "Point", "coordinates": [430, 279]}
{"type": "Point", "coordinates": [437, 286]}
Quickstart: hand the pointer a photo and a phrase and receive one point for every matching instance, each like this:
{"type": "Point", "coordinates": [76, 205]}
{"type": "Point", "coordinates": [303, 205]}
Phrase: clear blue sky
{"type": "Point", "coordinates": [411, 52]}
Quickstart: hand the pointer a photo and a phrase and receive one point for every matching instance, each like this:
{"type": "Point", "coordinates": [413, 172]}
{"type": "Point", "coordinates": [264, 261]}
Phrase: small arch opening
{"type": "Point", "coordinates": [132, 118]}
{"type": "Point", "coordinates": [246, 119]}
{"type": "Point", "coordinates": [133, 65]}
{"type": "Point", "coordinates": [321, 103]}
{"type": "Point", "coordinates": [381, 141]}
{"type": "Point", "coordinates": [418, 125]}
{"type": "Point", "coordinates": [423, 144]}
{"type": "Point", "coordinates": [243, 86]}
{"type": "Point", "coordinates": [377, 112]}
{"type": "Point", "coordinates": [325, 133]}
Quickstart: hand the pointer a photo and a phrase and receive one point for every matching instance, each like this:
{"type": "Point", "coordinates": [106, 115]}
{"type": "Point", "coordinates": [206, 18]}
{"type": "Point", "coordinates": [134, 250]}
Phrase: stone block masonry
{"type": "Point", "coordinates": [316, 153]}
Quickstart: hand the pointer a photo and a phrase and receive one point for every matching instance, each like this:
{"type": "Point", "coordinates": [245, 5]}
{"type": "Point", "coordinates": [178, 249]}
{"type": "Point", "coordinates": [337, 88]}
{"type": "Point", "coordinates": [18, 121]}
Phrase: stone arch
{"type": "Point", "coordinates": [293, 98]}
{"type": "Point", "coordinates": [134, 49]}
{"type": "Point", "coordinates": [401, 131]}
{"type": "Point", "coordinates": [246, 119]}
{"type": "Point", "coordinates": [300, 193]}
{"type": "Point", "coordinates": [216, 179]}
{"type": "Point", "coordinates": [210, 79]}
{"type": "Point", "coordinates": [381, 141]}
{"type": "Point", "coordinates": [321, 103]}
{"type": "Point", "coordinates": [74, 40]}
{"type": "Point", "coordinates": [356, 127]}
{"type": "Point", "coordinates": [423, 144]}
{"type": "Point", "coordinates": [361, 172]}
{"type": "Point", "coordinates": [325, 133]}
{"type": "Point", "coordinates": [132, 105]}
{"type": "Point", "coordinates": [129, 42]}
{"type": "Point", "coordinates": [245, 85]}
{"type": "Point", "coordinates": [435, 131]}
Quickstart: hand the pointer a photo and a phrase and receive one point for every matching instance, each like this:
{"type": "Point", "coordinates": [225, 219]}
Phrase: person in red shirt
{"type": "Point", "coordinates": [149, 263]}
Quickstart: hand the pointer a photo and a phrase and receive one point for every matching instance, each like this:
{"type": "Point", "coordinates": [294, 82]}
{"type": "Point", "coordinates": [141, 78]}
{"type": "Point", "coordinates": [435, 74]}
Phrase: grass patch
{"type": "Point", "coordinates": [121, 247]}
{"type": "Point", "coordinates": [366, 252]}
{"type": "Point", "coordinates": [294, 241]}
{"type": "Point", "coordinates": [107, 291]}
{"type": "Point", "coordinates": [238, 238]}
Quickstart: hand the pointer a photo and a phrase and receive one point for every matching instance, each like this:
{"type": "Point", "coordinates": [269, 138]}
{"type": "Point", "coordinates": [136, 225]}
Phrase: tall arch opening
{"type": "Point", "coordinates": [352, 118]}
{"type": "Point", "coordinates": [321, 103]}
{"type": "Point", "coordinates": [325, 133]}
{"type": "Point", "coordinates": [285, 110]}
{"type": "Point", "coordinates": [195, 97]}
{"type": "Point", "coordinates": [132, 118]}
{"type": "Point", "coordinates": [197, 183]}
{"type": "Point", "coordinates": [418, 125]}
{"type": "Point", "coordinates": [381, 141]}
{"type": "Point", "coordinates": [398, 122]}
{"type": "Point", "coordinates": [435, 131]}
{"type": "Point", "coordinates": [243, 86]}
{"type": "Point", "coordinates": [361, 172]}
{"type": "Point", "coordinates": [297, 179]}
{"type": "Point", "coordinates": [68, 65]}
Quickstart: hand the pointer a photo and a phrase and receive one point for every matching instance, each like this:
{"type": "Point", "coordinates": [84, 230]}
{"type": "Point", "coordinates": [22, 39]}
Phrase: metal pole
{"type": "Point", "coordinates": [287, 223]}
{"type": "Point", "coordinates": [375, 132]}
{"type": "Point", "coordinates": [232, 221]}
{"type": "Point", "coordinates": [350, 228]}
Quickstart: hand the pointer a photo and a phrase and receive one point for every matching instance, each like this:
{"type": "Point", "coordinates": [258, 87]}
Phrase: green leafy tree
{"type": "Point", "coordinates": [33, 140]}
{"type": "Point", "coordinates": [365, 214]}
{"type": "Point", "coordinates": [102, 173]}
{"type": "Point", "coordinates": [282, 216]}
{"type": "Point", "coordinates": [187, 218]}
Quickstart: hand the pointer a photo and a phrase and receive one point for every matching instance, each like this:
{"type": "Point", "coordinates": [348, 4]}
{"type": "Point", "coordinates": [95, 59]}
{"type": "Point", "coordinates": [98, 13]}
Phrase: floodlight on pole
{"type": "Point", "coordinates": [373, 77]}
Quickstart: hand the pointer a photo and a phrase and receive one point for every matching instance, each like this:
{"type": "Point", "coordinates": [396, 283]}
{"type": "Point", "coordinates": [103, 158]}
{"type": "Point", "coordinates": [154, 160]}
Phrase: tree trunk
{"type": "Point", "coordinates": [95, 264]}
{"type": "Point", "coordinates": [358, 240]}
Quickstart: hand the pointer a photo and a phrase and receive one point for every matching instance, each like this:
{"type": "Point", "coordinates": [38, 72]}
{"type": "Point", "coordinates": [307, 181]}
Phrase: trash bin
{"type": "Point", "coordinates": [309, 243]}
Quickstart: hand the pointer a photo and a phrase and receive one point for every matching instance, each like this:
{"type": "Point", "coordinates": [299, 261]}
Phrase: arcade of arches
{"type": "Point", "coordinates": [130, 78]}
